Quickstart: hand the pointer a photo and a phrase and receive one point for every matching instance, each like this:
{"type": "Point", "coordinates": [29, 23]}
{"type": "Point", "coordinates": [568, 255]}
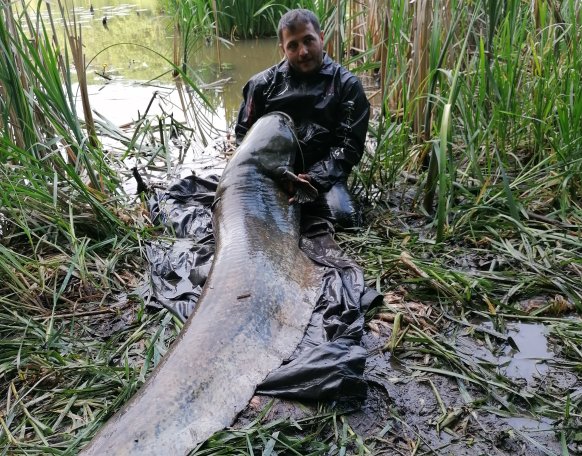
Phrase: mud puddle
{"type": "Point", "coordinates": [529, 361]}
{"type": "Point", "coordinates": [523, 356]}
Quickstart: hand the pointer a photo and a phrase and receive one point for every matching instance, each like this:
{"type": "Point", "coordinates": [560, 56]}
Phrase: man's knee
{"type": "Point", "coordinates": [337, 205]}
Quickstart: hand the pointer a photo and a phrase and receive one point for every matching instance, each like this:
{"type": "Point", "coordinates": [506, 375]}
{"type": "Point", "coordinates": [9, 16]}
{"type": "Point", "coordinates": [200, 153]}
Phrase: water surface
{"type": "Point", "coordinates": [129, 44]}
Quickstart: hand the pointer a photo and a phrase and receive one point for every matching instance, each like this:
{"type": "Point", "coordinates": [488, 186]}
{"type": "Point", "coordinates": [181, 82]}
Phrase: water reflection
{"type": "Point", "coordinates": [129, 42]}
{"type": "Point", "coordinates": [128, 48]}
{"type": "Point", "coordinates": [529, 358]}
{"type": "Point", "coordinates": [121, 40]}
{"type": "Point", "coordinates": [238, 62]}
{"type": "Point", "coordinates": [533, 352]}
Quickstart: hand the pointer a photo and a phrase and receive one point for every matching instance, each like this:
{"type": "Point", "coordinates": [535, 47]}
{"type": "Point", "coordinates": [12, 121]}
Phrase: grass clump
{"type": "Point", "coordinates": [71, 331]}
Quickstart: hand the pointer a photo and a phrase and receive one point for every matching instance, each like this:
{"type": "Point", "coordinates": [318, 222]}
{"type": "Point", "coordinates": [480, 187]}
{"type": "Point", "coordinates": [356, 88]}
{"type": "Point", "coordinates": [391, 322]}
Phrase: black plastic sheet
{"type": "Point", "coordinates": [180, 262]}
{"type": "Point", "coordinates": [330, 361]}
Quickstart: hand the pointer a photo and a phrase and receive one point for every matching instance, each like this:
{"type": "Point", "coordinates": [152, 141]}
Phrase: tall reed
{"type": "Point", "coordinates": [58, 190]}
{"type": "Point", "coordinates": [234, 19]}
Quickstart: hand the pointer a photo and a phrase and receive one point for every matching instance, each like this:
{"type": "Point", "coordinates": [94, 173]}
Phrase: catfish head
{"type": "Point", "coordinates": [278, 156]}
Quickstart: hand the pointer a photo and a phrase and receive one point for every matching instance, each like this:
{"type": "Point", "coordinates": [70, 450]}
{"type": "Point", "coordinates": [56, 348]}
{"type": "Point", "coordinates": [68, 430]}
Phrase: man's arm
{"type": "Point", "coordinates": [353, 116]}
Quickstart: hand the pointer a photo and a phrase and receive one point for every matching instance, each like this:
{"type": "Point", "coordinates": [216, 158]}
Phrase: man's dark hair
{"type": "Point", "coordinates": [295, 17]}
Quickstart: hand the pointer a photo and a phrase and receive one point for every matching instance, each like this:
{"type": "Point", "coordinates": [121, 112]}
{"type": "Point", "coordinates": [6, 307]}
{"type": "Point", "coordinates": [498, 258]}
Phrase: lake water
{"type": "Point", "coordinates": [128, 48]}
{"type": "Point", "coordinates": [125, 45]}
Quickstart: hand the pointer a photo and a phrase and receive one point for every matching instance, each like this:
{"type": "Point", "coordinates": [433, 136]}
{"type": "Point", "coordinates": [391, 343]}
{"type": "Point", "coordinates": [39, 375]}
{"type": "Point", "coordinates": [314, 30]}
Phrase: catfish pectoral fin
{"type": "Point", "coordinates": [304, 192]}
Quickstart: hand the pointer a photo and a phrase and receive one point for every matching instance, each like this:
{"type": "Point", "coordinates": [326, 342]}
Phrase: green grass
{"type": "Point", "coordinates": [66, 252]}
{"type": "Point", "coordinates": [486, 229]}
{"type": "Point", "coordinates": [242, 20]}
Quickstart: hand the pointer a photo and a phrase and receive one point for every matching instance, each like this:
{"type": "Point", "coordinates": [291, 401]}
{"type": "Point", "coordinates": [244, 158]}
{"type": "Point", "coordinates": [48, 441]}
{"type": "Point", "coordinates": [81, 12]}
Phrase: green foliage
{"type": "Point", "coordinates": [254, 18]}
{"type": "Point", "coordinates": [58, 192]}
{"type": "Point", "coordinates": [236, 19]}
{"type": "Point", "coordinates": [506, 84]}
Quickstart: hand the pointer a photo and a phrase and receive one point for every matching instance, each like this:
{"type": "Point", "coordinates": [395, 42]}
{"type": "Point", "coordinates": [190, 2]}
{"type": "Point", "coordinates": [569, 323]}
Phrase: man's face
{"type": "Point", "coordinates": [303, 48]}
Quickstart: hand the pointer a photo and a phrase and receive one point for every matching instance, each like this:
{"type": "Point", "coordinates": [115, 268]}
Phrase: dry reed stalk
{"type": "Point", "coordinates": [358, 26]}
{"type": "Point", "coordinates": [419, 65]}
{"type": "Point", "coordinates": [176, 48]}
{"type": "Point", "coordinates": [215, 12]}
{"type": "Point", "coordinates": [180, 90]}
{"type": "Point", "coordinates": [535, 8]}
{"type": "Point", "coordinates": [337, 35]}
{"type": "Point", "coordinates": [376, 27]}
{"type": "Point", "coordinates": [32, 30]}
{"type": "Point", "coordinates": [11, 27]}
{"type": "Point", "coordinates": [553, 8]}
{"type": "Point", "coordinates": [76, 44]}
{"type": "Point", "coordinates": [384, 63]}
{"type": "Point", "coordinates": [61, 61]}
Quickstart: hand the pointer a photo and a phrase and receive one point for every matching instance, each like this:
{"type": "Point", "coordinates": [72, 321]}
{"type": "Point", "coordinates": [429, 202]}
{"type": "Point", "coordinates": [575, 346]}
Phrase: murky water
{"type": "Point", "coordinates": [525, 358]}
{"type": "Point", "coordinates": [530, 360]}
{"type": "Point", "coordinates": [125, 45]}
{"type": "Point", "coordinates": [128, 47]}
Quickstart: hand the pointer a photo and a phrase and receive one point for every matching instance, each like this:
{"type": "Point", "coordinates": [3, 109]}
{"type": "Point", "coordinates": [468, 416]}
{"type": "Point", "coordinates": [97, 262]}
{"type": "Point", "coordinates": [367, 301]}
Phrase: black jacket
{"type": "Point", "coordinates": [330, 111]}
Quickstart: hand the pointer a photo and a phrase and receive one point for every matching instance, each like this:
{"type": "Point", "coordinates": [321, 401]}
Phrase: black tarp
{"type": "Point", "coordinates": [330, 361]}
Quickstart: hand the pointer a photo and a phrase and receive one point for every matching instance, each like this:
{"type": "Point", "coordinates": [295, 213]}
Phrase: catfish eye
{"type": "Point", "coordinates": [281, 171]}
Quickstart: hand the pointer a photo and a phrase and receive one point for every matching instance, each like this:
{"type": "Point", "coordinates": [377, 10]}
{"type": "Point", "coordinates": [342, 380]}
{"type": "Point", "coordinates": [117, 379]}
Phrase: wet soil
{"type": "Point", "coordinates": [418, 403]}
{"type": "Point", "coordinates": [410, 411]}
{"type": "Point", "coordinates": [407, 400]}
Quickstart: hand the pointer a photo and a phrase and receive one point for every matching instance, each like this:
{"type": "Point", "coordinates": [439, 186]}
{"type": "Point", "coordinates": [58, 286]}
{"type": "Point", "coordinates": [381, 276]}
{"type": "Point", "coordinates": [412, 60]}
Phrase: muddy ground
{"type": "Point", "coordinates": [452, 380]}
{"type": "Point", "coordinates": [409, 411]}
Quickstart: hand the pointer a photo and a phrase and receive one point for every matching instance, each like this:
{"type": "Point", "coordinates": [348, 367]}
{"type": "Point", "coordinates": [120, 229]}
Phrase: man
{"type": "Point", "coordinates": [329, 108]}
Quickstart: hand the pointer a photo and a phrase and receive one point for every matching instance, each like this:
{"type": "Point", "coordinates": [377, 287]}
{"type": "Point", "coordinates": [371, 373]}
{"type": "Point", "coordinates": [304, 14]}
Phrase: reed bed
{"type": "Point", "coordinates": [472, 186]}
{"type": "Point", "coordinates": [235, 20]}
{"type": "Point", "coordinates": [69, 241]}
